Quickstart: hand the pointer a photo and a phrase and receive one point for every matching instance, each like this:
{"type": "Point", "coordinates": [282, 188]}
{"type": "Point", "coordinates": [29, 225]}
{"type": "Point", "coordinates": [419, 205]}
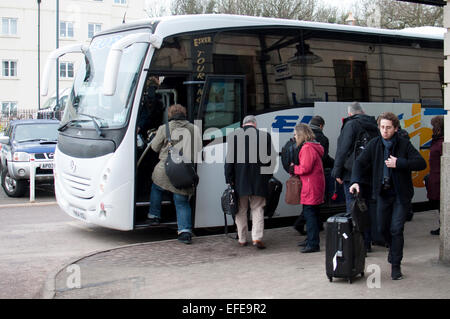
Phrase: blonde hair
{"type": "Point", "coordinates": [304, 134]}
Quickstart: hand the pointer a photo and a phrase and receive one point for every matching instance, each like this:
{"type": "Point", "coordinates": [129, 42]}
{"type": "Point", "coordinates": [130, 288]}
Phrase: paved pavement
{"type": "Point", "coordinates": [215, 267]}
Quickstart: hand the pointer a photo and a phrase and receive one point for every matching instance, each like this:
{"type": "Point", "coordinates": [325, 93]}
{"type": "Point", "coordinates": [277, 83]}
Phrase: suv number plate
{"type": "Point", "coordinates": [46, 166]}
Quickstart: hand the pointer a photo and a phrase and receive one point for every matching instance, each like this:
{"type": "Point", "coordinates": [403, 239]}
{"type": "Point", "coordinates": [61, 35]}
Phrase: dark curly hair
{"type": "Point", "coordinates": [390, 117]}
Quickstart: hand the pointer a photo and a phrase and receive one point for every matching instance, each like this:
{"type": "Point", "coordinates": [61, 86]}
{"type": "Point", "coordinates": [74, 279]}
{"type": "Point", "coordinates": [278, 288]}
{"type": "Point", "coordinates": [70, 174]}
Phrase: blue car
{"type": "Point", "coordinates": [26, 141]}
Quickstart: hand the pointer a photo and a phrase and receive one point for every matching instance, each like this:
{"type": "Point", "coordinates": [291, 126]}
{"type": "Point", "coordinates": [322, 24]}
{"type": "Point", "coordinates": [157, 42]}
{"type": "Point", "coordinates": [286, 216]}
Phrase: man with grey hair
{"type": "Point", "coordinates": [248, 169]}
{"type": "Point", "coordinates": [352, 129]}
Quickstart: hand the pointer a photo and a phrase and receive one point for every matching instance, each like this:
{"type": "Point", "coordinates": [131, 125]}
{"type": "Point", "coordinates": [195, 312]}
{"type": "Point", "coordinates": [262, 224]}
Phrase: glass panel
{"type": "Point", "coordinates": [5, 68]}
{"type": "Point", "coordinates": [70, 70]}
{"type": "Point", "coordinates": [87, 96]}
{"type": "Point", "coordinates": [5, 26]}
{"type": "Point", "coordinates": [62, 29]}
{"type": "Point", "coordinates": [33, 131]}
{"type": "Point", "coordinates": [222, 107]}
{"type": "Point", "coordinates": [70, 30]}
{"type": "Point", "coordinates": [62, 69]}
{"type": "Point", "coordinates": [13, 68]}
{"type": "Point", "coordinates": [90, 30]}
{"type": "Point", "coordinates": [13, 27]}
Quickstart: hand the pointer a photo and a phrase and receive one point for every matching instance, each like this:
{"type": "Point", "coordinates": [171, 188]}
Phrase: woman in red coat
{"type": "Point", "coordinates": [310, 170]}
{"type": "Point", "coordinates": [434, 179]}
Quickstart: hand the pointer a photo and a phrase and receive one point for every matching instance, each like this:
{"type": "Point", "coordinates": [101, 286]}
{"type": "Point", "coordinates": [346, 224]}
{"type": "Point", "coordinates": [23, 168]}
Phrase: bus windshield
{"type": "Point", "coordinates": [87, 97]}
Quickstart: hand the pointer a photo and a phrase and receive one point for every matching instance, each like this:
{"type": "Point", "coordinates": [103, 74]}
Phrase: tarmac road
{"type": "Point", "coordinates": [38, 238]}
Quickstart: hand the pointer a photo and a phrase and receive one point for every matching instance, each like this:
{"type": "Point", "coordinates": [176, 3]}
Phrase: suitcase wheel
{"type": "Point", "coordinates": [362, 274]}
{"type": "Point", "coordinates": [330, 279]}
{"type": "Point", "coordinates": [349, 280]}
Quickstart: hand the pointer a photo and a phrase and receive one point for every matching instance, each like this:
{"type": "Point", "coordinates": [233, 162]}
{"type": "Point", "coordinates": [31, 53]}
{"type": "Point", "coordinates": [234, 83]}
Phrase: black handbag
{"type": "Point", "coordinates": [359, 213]}
{"type": "Point", "coordinates": [229, 201]}
{"type": "Point", "coordinates": [230, 205]}
{"type": "Point", "coordinates": [180, 172]}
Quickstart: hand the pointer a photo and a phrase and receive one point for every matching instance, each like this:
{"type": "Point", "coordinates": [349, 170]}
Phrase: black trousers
{"type": "Point", "coordinates": [391, 217]}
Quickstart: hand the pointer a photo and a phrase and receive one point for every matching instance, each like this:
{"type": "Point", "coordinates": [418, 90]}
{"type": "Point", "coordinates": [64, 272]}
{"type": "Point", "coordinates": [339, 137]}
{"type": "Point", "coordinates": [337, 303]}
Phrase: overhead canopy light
{"type": "Point", "coordinates": [304, 55]}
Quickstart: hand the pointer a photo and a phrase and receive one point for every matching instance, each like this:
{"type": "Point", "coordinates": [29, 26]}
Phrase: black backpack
{"type": "Point", "coordinates": [289, 154]}
{"type": "Point", "coordinates": [365, 134]}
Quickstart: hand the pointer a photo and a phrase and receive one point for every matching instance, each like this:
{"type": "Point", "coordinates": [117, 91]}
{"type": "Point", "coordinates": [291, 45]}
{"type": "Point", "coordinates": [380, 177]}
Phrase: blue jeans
{"type": "Point", "coordinates": [365, 193]}
{"type": "Point", "coordinates": [391, 215]}
{"type": "Point", "coordinates": [181, 204]}
{"type": "Point", "coordinates": [311, 212]}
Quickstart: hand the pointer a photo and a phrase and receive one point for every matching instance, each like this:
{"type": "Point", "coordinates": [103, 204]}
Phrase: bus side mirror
{"type": "Point", "coordinates": [115, 55]}
{"type": "Point", "coordinates": [51, 60]}
{"type": "Point", "coordinates": [4, 139]}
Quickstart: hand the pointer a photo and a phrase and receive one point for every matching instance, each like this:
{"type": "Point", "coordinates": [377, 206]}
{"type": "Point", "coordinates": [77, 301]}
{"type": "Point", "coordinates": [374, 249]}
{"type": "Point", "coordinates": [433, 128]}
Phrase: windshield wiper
{"type": "Point", "coordinates": [94, 120]}
{"type": "Point", "coordinates": [30, 140]}
{"type": "Point", "coordinates": [66, 125]}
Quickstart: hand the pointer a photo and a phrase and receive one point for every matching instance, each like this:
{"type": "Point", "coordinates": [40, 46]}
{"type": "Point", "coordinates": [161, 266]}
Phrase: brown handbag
{"type": "Point", "coordinates": [293, 190]}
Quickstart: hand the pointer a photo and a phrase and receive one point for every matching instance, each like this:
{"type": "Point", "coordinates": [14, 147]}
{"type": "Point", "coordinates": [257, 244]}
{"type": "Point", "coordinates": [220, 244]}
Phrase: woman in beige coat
{"type": "Point", "coordinates": [185, 137]}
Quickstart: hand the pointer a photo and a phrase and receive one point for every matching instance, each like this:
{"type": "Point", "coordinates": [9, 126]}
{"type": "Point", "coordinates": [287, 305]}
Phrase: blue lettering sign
{"type": "Point", "coordinates": [282, 125]}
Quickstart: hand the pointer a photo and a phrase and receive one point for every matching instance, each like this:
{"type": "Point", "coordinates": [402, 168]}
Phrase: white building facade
{"type": "Point", "coordinates": [79, 20]}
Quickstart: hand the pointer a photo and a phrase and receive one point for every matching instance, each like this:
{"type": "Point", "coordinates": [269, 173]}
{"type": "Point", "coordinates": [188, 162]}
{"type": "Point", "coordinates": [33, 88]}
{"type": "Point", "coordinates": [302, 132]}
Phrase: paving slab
{"type": "Point", "coordinates": [216, 267]}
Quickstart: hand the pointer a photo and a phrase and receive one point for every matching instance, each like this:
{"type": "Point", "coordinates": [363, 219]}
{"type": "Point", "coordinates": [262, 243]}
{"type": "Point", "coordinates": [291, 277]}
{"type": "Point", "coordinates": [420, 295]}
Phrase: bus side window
{"type": "Point", "coordinates": [222, 105]}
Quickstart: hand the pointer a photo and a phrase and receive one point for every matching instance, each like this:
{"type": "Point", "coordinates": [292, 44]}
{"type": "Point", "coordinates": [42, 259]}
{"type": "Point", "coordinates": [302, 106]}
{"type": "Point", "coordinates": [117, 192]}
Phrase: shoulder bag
{"type": "Point", "coordinates": [180, 172]}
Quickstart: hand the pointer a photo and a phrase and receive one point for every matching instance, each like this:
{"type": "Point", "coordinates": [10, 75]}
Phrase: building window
{"type": "Point", "coordinates": [9, 68]}
{"type": "Point", "coordinates": [9, 108]}
{"type": "Point", "coordinates": [66, 70]}
{"type": "Point", "coordinates": [120, 1]}
{"type": "Point", "coordinates": [351, 80]}
{"type": "Point", "coordinates": [66, 29]}
{"type": "Point", "coordinates": [93, 29]}
{"type": "Point", "coordinates": [9, 26]}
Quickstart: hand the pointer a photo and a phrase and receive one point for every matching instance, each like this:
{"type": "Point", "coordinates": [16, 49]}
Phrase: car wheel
{"type": "Point", "coordinates": [12, 187]}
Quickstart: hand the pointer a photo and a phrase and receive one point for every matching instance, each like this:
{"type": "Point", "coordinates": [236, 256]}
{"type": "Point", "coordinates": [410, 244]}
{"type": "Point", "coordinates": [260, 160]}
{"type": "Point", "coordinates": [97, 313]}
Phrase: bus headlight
{"type": "Point", "coordinates": [21, 157]}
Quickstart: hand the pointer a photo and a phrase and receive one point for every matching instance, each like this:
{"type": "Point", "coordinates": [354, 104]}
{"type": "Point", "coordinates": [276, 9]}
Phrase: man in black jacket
{"type": "Point", "coordinates": [389, 159]}
{"type": "Point", "coordinates": [249, 166]}
{"type": "Point", "coordinates": [317, 123]}
{"type": "Point", "coordinates": [351, 129]}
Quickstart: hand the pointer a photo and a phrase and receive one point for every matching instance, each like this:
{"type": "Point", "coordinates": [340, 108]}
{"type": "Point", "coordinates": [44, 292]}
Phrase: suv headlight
{"type": "Point", "coordinates": [21, 157]}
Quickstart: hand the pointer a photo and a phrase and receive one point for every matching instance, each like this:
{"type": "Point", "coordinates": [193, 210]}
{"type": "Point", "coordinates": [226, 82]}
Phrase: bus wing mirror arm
{"type": "Point", "coordinates": [115, 55]}
{"type": "Point", "coordinates": [52, 59]}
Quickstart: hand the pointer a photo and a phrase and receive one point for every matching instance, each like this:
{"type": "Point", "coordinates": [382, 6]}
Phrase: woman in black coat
{"type": "Point", "coordinates": [434, 179]}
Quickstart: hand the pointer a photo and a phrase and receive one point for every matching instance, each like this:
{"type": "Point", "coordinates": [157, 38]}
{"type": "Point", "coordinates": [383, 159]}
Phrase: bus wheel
{"type": "Point", "coordinates": [12, 187]}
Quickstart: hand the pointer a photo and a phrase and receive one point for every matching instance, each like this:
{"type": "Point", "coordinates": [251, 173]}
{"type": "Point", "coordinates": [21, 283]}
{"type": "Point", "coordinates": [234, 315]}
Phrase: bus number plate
{"type": "Point", "coordinates": [79, 214]}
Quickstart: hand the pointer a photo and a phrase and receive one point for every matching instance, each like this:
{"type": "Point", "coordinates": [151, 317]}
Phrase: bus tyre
{"type": "Point", "coordinates": [12, 187]}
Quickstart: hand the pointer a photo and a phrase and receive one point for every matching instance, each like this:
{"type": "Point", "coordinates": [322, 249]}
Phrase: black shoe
{"type": "Point", "coordinates": [303, 243]}
{"type": "Point", "coordinates": [436, 231]}
{"type": "Point", "coordinates": [409, 217]}
{"type": "Point", "coordinates": [396, 273]}
{"type": "Point", "coordinates": [185, 238]}
{"type": "Point", "coordinates": [309, 249]}
{"type": "Point", "coordinates": [154, 221]}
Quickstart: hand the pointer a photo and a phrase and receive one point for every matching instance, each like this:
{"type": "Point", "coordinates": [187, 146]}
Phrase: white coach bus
{"type": "Point", "coordinates": [223, 67]}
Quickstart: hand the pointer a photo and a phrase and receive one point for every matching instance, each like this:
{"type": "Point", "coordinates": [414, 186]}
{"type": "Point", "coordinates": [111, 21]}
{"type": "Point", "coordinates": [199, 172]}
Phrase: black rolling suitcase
{"type": "Point", "coordinates": [275, 188]}
{"type": "Point", "coordinates": [345, 250]}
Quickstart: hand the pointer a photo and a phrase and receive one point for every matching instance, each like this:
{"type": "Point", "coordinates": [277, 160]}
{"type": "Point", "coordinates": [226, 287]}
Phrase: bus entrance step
{"type": "Point", "coordinates": [144, 204]}
{"type": "Point", "coordinates": [144, 224]}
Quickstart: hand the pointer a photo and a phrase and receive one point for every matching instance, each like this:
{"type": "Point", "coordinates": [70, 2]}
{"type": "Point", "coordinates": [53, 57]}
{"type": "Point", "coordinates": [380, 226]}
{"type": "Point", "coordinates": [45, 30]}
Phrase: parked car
{"type": "Point", "coordinates": [25, 141]}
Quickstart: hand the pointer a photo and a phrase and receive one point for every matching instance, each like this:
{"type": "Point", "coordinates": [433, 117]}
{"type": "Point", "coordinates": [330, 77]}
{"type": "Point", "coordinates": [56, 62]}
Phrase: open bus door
{"type": "Point", "coordinates": [222, 108]}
